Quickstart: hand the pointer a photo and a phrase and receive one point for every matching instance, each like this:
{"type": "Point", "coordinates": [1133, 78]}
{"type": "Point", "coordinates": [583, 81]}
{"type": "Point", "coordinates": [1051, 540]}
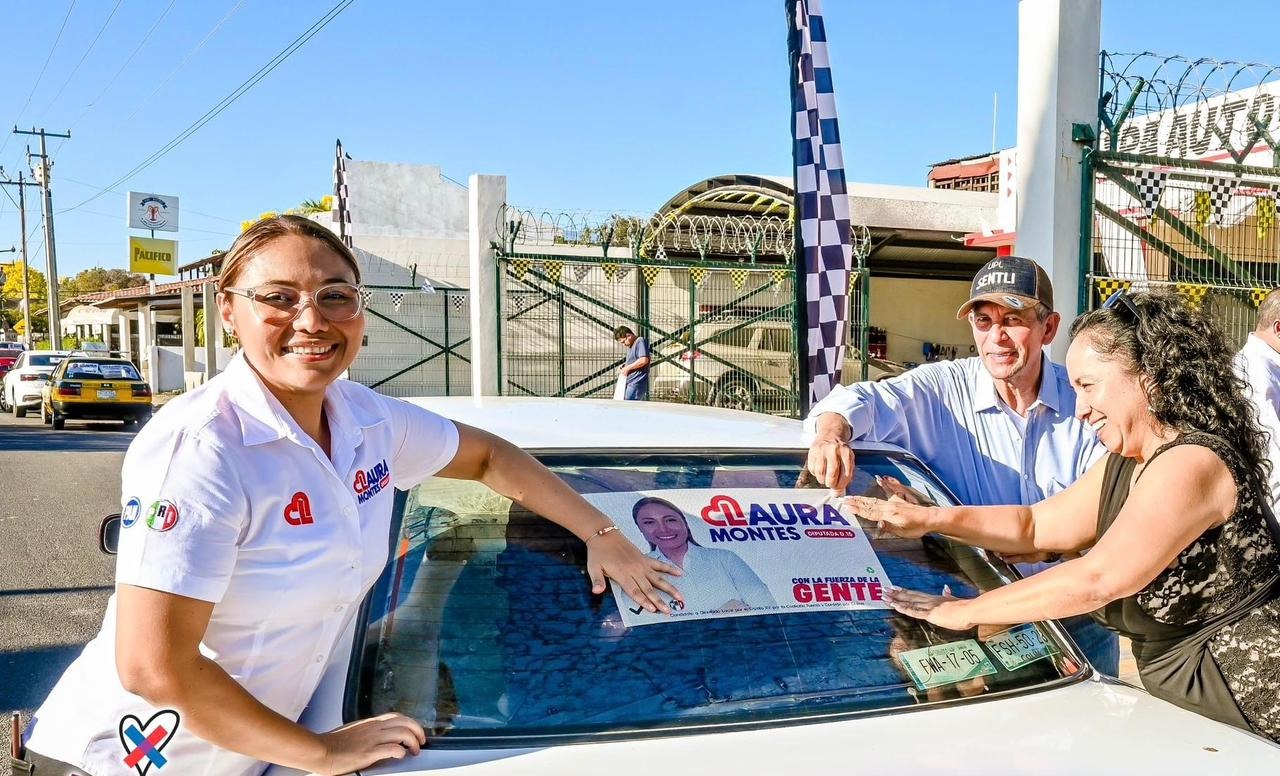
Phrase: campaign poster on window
{"type": "Point", "coordinates": [748, 551]}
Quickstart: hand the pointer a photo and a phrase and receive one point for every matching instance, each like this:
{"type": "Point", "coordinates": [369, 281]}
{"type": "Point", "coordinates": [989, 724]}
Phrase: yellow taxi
{"type": "Point", "coordinates": [95, 388]}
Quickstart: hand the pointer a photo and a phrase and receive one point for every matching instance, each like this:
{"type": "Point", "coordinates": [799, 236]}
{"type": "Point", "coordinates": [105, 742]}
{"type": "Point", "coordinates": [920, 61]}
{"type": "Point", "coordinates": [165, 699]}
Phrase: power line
{"type": "Point", "coordinates": [36, 85]}
{"type": "Point", "coordinates": [93, 103]}
{"type": "Point", "coordinates": [181, 64]}
{"type": "Point", "coordinates": [85, 56]}
{"type": "Point", "coordinates": [226, 101]}
{"type": "Point", "coordinates": [185, 209]}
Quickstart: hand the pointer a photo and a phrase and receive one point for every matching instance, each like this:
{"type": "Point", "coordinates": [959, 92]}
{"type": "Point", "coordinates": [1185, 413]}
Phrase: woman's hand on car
{"type": "Point", "coordinates": [640, 577]}
{"type": "Point", "coordinates": [945, 611]}
{"type": "Point", "coordinates": [360, 744]}
{"type": "Point", "coordinates": [895, 515]}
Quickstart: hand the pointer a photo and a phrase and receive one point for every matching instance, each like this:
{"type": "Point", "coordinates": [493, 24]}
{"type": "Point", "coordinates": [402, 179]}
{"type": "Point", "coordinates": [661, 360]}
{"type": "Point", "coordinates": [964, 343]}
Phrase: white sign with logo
{"type": "Point", "coordinates": [748, 551]}
{"type": "Point", "coordinates": [158, 212]}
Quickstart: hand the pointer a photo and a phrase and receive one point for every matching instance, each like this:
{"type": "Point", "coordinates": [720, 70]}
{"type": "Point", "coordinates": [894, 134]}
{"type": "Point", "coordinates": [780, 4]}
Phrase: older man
{"type": "Point", "coordinates": [1259, 364]}
{"type": "Point", "coordinates": [998, 428]}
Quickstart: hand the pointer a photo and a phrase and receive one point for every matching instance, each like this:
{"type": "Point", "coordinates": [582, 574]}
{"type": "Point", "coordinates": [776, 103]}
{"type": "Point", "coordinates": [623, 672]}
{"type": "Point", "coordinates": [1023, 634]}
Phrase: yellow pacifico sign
{"type": "Point", "coordinates": [148, 256]}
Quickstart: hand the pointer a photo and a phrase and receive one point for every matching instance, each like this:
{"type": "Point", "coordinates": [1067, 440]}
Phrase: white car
{"type": "Point", "coordinates": [23, 383]}
{"type": "Point", "coordinates": [483, 627]}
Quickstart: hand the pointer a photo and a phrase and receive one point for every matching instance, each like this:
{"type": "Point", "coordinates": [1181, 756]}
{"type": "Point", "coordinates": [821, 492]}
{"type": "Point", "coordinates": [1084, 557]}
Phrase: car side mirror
{"type": "Point", "coordinates": [109, 534]}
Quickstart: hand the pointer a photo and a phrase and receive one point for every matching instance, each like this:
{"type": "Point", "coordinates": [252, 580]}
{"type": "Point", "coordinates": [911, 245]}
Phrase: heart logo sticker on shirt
{"type": "Point", "coordinates": [298, 511]}
{"type": "Point", "coordinates": [144, 742]}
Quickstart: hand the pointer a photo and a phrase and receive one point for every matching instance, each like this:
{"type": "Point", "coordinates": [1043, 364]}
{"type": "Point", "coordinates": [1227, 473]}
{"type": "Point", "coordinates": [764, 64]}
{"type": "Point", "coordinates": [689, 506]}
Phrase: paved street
{"type": "Point", "coordinates": [56, 487]}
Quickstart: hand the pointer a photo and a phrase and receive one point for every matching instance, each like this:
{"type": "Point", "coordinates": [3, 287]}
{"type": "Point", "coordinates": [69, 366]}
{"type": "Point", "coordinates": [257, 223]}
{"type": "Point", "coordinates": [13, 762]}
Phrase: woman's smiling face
{"type": "Point", "coordinates": [305, 355]}
{"type": "Point", "coordinates": [662, 527]}
{"type": "Point", "coordinates": [1109, 398]}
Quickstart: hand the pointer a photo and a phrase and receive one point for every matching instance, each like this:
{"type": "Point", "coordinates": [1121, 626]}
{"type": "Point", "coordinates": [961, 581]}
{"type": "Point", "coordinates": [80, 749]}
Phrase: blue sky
{"type": "Point", "coordinates": [583, 105]}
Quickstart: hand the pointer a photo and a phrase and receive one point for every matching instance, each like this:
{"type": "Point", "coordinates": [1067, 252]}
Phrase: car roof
{"type": "Point", "coordinates": [97, 360]}
{"type": "Point", "coordinates": [556, 423]}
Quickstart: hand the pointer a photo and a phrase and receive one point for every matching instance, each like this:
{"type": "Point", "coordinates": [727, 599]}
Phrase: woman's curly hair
{"type": "Point", "coordinates": [1188, 362]}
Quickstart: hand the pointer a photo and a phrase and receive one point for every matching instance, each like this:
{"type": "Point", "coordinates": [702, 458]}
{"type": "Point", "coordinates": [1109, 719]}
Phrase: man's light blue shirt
{"type": "Point", "coordinates": [949, 415]}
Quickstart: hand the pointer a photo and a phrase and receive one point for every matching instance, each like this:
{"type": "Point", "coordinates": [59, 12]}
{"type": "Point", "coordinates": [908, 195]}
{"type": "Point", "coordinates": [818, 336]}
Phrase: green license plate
{"type": "Point", "coordinates": [1019, 646]}
{"type": "Point", "coordinates": [946, 663]}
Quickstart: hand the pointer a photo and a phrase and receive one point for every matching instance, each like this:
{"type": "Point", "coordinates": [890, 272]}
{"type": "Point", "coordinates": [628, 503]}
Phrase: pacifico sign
{"type": "Point", "coordinates": [153, 257]}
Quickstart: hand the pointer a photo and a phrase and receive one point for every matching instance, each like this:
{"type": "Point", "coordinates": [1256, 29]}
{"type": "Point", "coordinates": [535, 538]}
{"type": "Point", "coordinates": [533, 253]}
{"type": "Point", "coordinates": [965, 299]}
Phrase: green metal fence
{"type": "Point", "coordinates": [1182, 191]}
{"type": "Point", "coordinates": [719, 333]}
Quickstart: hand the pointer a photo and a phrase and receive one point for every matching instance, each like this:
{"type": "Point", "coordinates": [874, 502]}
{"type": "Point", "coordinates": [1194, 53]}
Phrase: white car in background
{"type": "Point", "coordinates": [483, 627]}
{"type": "Point", "coordinates": [22, 385]}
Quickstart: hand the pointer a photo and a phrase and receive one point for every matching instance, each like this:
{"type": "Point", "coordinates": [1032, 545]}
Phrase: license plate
{"type": "Point", "coordinates": [942, 664]}
{"type": "Point", "coordinates": [106, 394]}
{"type": "Point", "coordinates": [1019, 646]}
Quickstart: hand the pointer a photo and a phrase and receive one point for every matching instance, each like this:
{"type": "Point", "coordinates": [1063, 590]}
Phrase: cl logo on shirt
{"type": "Point", "coordinates": [143, 742]}
{"type": "Point", "coordinates": [298, 511]}
{"type": "Point", "coordinates": [370, 482]}
{"type": "Point", "coordinates": [162, 516]}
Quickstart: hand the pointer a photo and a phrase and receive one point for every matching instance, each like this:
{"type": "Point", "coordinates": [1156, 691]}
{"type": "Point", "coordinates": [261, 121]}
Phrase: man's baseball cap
{"type": "Point", "coordinates": [1009, 281]}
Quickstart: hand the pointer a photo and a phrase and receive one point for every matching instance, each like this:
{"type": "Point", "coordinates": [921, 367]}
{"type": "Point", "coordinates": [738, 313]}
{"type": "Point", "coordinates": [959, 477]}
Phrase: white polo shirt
{"type": "Point", "coordinates": [226, 500]}
{"type": "Point", "coordinates": [1259, 365]}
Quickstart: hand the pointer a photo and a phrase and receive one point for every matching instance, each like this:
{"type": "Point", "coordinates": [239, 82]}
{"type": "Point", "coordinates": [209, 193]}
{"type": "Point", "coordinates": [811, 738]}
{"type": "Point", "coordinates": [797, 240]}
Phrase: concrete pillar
{"type": "Point", "coordinates": [126, 344]}
{"type": "Point", "coordinates": [145, 336]}
{"type": "Point", "coordinates": [486, 194]}
{"type": "Point", "coordinates": [187, 297]}
{"type": "Point", "coordinates": [1058, 45]}
{"type": "Point", "coordinates": [212, 330]}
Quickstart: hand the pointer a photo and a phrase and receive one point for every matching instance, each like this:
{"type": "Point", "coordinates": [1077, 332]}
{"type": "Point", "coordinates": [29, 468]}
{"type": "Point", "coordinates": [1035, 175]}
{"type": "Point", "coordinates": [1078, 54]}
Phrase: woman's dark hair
{"type": "Point", "coordinates": [649, 501]}
{"type": "Point", "coordinates": [1187, 361]}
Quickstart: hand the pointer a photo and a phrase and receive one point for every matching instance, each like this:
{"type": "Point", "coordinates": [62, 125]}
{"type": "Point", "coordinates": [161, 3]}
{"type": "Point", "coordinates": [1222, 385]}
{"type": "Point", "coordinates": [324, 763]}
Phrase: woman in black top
{"type": "Point", "coordinates": [1182, 546]}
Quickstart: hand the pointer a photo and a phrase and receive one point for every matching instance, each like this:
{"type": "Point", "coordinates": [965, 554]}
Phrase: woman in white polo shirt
{"type": "Point", "coordinates": [256, 518]}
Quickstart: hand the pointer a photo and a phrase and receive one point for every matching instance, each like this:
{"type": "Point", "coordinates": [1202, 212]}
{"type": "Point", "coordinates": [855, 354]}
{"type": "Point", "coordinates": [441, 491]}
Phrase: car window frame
{"type": "Point", "coordinates": [351, 700]}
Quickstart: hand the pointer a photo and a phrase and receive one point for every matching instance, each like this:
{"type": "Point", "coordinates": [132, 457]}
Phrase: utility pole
{"type": "Point", "coordinates": [41, 174]}
{"type": "Point", "coordinates": [26, 262]}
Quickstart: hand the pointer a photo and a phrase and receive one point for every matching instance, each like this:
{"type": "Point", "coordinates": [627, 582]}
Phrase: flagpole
{"type": "Point", "coordinates": [800, 323]}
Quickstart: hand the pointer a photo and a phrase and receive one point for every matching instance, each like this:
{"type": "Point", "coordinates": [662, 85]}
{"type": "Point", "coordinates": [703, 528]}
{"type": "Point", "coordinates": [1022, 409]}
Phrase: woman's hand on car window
{"type": "Point", "coordinates": [360, 744]}
{"type": "Point", "coordinates": [945, 611]}
{"type": "Point", "coordinates": [640, 577]}
{"type": "Point", "coordinates": [895, 515]}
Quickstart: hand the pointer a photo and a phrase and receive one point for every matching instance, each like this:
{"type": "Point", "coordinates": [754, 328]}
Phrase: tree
{"type": "Point", "coordinates": [11, 294]}
{"type": "Point", "coordinates": [98, 279]}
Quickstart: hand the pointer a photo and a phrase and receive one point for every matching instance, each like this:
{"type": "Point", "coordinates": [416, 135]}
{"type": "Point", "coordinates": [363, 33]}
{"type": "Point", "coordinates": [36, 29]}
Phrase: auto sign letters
{"type": "Point", "coordinates": [748, 551]}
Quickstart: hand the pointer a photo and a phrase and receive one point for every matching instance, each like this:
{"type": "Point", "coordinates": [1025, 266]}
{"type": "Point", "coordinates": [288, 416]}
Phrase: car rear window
{"type": "Point", "coordinates": [101, 370]}
{"type": "Point", "coordinates": [484, 628]}
{"type": "Point", "coordinates": [39, 360]}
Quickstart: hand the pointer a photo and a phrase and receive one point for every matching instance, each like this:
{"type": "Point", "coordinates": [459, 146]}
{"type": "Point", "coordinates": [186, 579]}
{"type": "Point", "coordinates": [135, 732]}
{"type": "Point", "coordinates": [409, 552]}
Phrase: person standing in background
{"type": "Point", "coordinates": [636, 365]}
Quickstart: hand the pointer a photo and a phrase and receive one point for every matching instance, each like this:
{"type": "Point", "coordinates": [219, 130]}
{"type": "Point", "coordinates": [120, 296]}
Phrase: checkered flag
{"type": "Point", "coordinates": [427, 288]}
{"type": "Point", "coordinates": [739, 277]}
{"type": "Point", "coordinates": [580, 271]}
{"type": "Point", "coordinates": [1220, 192]}
{"type": "Point", "coordinates": [697, 275]}
{"type": "Point", "coordinates": [1150, 184]}
{"type": "Point", "coordinates": [397, 298]}
{"type": "Point", "coordinates": [342, 205]}
{"type": "Point", "coordinates": [822, 201]}
{"type": "Point", "coordinates": [459, 301]}
{"type": "Point", "coordinates": [366, 294]}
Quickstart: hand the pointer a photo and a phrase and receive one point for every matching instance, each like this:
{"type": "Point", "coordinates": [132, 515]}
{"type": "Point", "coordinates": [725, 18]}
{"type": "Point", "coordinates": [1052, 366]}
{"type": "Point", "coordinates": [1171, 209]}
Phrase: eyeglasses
{"type": "Point", "coordinates": [279, 305]}
{"type": "Point", "coordinates": [1123, 305]}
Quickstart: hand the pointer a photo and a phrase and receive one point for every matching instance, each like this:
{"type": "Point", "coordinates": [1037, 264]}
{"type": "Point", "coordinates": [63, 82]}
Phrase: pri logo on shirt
{"type": "Point", "coordinates": [162, 515]}
{"type": "Point", "coordinates": [370, 482]}
{"type": "Point", "coordinates": [132, 511]}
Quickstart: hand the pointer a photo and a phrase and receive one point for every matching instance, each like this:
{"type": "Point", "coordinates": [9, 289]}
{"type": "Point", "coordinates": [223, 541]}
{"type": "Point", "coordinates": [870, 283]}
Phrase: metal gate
{"type": "Point", "coordinates": [1182, 191]}
{"type": "Point", "coordinates": [721, 332]}
{"type": "Point", "coordinates": [417, 341]}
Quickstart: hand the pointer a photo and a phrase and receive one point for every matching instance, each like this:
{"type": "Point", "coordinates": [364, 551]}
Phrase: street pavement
{"type": "Point", "coordinates": [55, 488]}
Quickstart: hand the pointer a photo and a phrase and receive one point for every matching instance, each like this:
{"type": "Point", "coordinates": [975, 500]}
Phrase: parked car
{"type": "Point", "coordinates": [482, 626]}
{"type": "Point", "coordinates": [84, 388]}
{"type": "Point", "coordinates": [25, 380]}
{"type": "Point", "coordinates": [742, 365]}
